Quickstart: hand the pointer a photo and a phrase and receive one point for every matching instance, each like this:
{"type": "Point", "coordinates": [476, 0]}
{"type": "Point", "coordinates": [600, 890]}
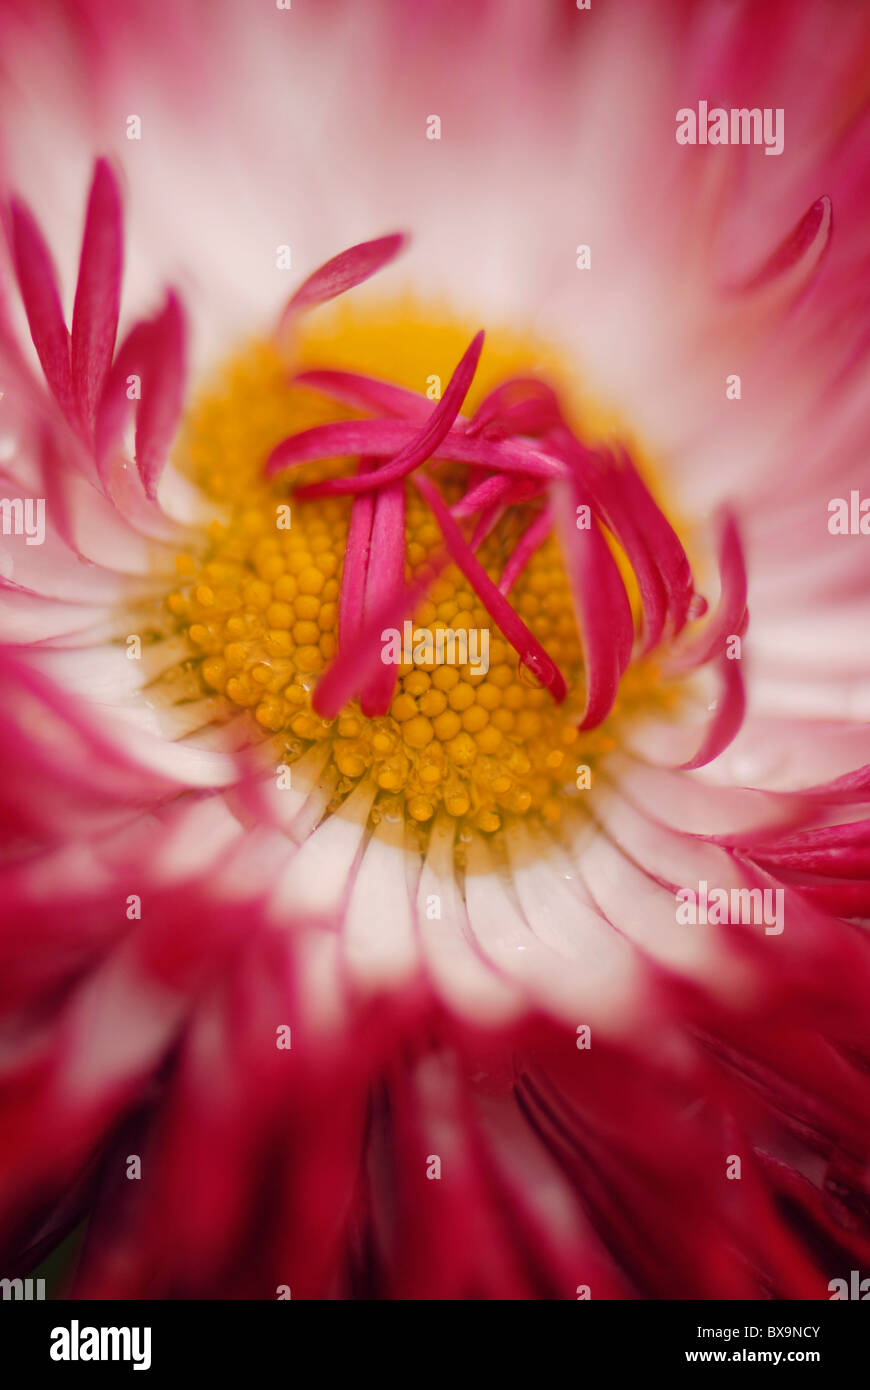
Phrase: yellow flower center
{"type": "Point", "coordinates": [260, 607]}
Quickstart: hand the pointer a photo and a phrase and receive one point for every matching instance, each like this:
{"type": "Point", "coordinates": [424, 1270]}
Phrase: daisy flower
{"type": "Point", "coordinates": [420, 878]}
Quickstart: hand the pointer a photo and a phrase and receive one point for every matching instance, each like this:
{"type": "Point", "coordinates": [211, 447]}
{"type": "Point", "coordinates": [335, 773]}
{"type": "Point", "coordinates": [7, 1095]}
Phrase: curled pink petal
{"type": "Point", "coordinates": [531, 653]}
{"type": "Point", "coordinates": [664, 545]}
{"type": "Point", "coordinates": [98, 293]}
{"type": "Point", "coordinates": [601, 603]}
{"type": "Point", "coordinates": [482, 496]}
{"type": "Point", "coordinates": [521, 405]}
{"type": "Point", "coordinates": [530, 541]}
{"type": "Point", "coordinates": [510, 493]}
{"type": "Point", "coordinates": [356, 563]}
{"type": "Point", "coordinates": [621, 517]}
{"type": "Point", "coordinates": [384, 584]}
{"type": "Point", "coordinates": [486, 522]}
{"type": "Point", "coordinates": [358, 660]}
{"type": "Point", "coordinates": [343, 272]}
{"type": "Point", "coordinates": [496, 491]}
{"type": "Point", "coordinates": [115, 405]}
{"type": "Point", "coordinates": [162, 393]}
{"type": "Point", "coordinates": [344, 439]}
{"type": "Point", "coordinates": [730, 615]}
{"type": "Point", "coordinates": [367, 393]}
{"type": "Point", "coordinates": [801, 252]}
{"type": "Point", "coordinates": [728, 717]}
{"type": "Point", "coordinates": [387, 438]}
{"type": "Point", "coordinates": [619, 495]}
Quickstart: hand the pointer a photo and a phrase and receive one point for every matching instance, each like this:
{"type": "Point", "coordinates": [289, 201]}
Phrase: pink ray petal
{"type": "Point", "coordinates": [835, 861]}
{"type": "Point", "coordinates": [730, 617]}
{"type": "Point", "coordinates": [620, 497]}
{"type": "Point", "coordinates": [481, 497]}
{"type": "Point", "coordinates": [486, 523]}
{"type": "Point", "coordinates": [601, 603]}
{"type": "Point", "coordinates": [532, 654]}
{"type": "Point", "coordinates": [386, 438]}
{"type": "Point", "coordinates": [840, 899]}
{"type": "Point", "coordinates": [115, 406]}
{"type": "Point", "coordinates": [356, 563]}
{"type": "Point", "coordinates": [665, 546]}
{"type": "Point", "coordinates": [91, 757]}
{"type": "Point", "coordinates": [384, 585]}
{"type": "Point", "coordinates": [37, 281]}
{"type": "Point", "coordinates": [851, 786]}
{"type": "Point", "coordinates": [343, 272]}
{"type": "Point", "coordinates": [531, 540]}
{"type": "Point", "coordinates": [510, 494]}
{"type": "Point", "coordinates": [728, 717]}
{"type": "Point", "coordinates": [497, 490]}
{"type": "Point", "coordinates": [357, 661]}
{"type": "Point", "coordinates": [368, 393]}
{"type": "Point", "coordinates": [422, 443]}
{"type": "Point", "coordinates": [823, 838]}
{"type": "Point", "coordinates": [520, 405]}
{"type": "Point", "coordinates": [619, 516]}
{"type": "Point", "coordinates": [162, 394]}
{"type": "Point", "coordinates": [799, 255]}
{"type": "Point", "coordinates": [644, 531]}
{"type": "Point", "coordinates": [98, 292]}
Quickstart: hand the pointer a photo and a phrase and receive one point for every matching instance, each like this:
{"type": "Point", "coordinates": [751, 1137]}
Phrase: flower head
{"type": "Point", "coordinates": [420, 880]}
